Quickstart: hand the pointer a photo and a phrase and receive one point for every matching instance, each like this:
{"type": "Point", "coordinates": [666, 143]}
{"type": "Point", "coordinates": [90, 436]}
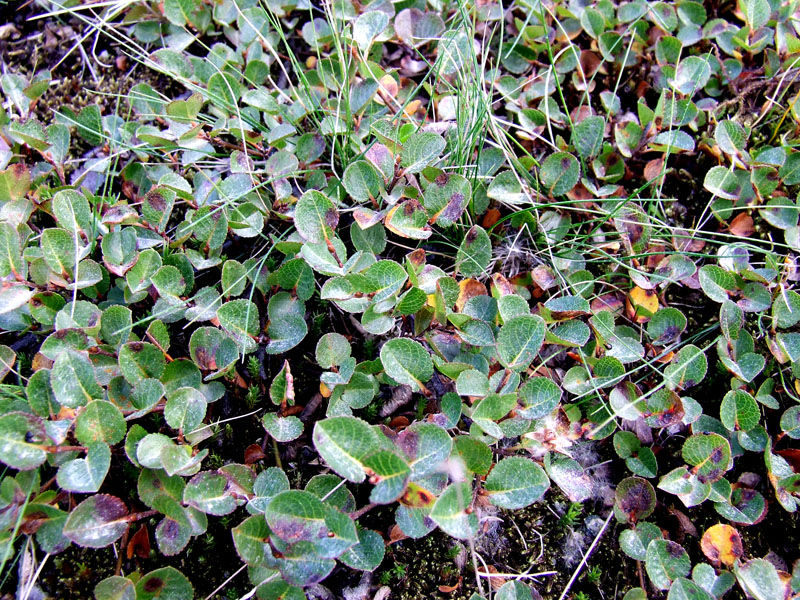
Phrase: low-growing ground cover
{"type": "Point", "coordinates": [400, 300]}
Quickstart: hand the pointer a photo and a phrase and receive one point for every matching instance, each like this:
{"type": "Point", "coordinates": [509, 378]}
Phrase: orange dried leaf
{"type": "Point", "coordinates": [491, 217]}
{"type": "Point", "coordinates": [449, 589]}
{"type": "Point", "coordinates": [40, 361]}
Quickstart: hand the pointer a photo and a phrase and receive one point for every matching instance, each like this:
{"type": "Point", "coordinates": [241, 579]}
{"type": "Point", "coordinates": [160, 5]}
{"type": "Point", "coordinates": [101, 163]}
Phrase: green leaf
{"type": "Point", "coordinates": [786, 309]}
{"type": "Point", "coordinates": [450, 512]}
{"type": "Point", "coordinates": [296, 515]}
{"type": "Point", "coordinates": [587, 136]}
{"type": "Point", "coordinates": [241, 320]}
{"type": "Point", "coordinates": [185, 409]}
{"type": "Point", "coordinates": [390, 476]}
{"type": "Point", "coordinates": [73, 380]}
{"type": "Point", "coordinates": [166, 583]}
{"type": "Point", "coordinates": [519, 340]}
{"type": "Point", "coordinates": [756, 13]}
{"type": "Point", "coordinates": [790, 422]}
{"type": "Point", "coordinates": [344, 443]}
{"type": "Point", "coordinates": [296, 276]}
{"type": "Point", "coordinates": [538, 397]}
{"type": "Point", "coordinates": [760, 579]}
{"type": "Point", "coordinates": [634, 541]}
{"type": "Point", "coordinates": [282, 387]}
{"type": "Point", "coordinates": [722, 182]}
{"type": "Point", "coordinates": [90, 125]}
{"type": "Point", "coordinates": [446, 198]}
{"type": "Point", "coordinates": [141, 360]}
{"type": "Point", "coordinates": [477, 456]}
{"type": "Point", "coordinates": [370, 239]}
{"type": "Point", "coordinates": [692, 74]}
{"type": "Point", "coordinates": [386, 278]}
{"type": "Point", "coordinates": [283, 429]}
{"type": "Point", "coordinates": [684, 589]}
{"type": "Point", "coordinates": [666, 561]}
{"type": "Point", "coordinates": [10, 255]}
{"type": "Point", "coordinates": [474, 253]}
{"type": "Point", "coordinates": [516, 482]}
{"type": "Point", "coordinates": [492, 409]}
{"type": "Point", "coordinates": [97, 522]}
{"type": "Point", "coordinates": [730, 137]}
{"type": "Point", "coordinates": [72, 212]}
{"type": "Point", "coordinates": [85, 475]}
{"type": "Point", "coordinates": [115, 588]}
{"type": "Point", "coordinates": [421, 150]}
{"type": "Point", "coordinates": [208, 492]}
{"type": "Point", "coordinates": [100, 421]}
{"type": "Point", "coordinates": [250, 538]}
{"type": "Point", "coordinates": [406, 361]}
{"type": "Point", "coordinates": [367, 27]}
{"type": "Point", "coordinates": [60, 250]}
{"type": "Point", "coordinates": [709, 453]}
{"type": "Point", "coordinates": [268, 484]}
{"type": "Point", "coordinates": [513, 590]}
{"type": "Point", "coordinates": [21, 437]}
{"type": "Point", "coordinates": [717, 283]}
{"type": "Point", "coordinates": [234, 278]}
{"type": "Point", "coordinates": [559, 173]}
{"type": "Point", "coordinates": [472, 383]}
{"type": "Point", "coordinates": [315, 216]}
{"type": "Point", "coordinates": [687, 369]}
{"type": "Point", "coordinates": [411, 301]}
{"type": "Point", "coordinates": [119, 250]}
{"type": "Point", "coordinates": [506, 188]}
{"type": "Point", "coordinates": [287, 326]}
{"type": "Point", "coordinates": [368, 554]}
{"type": "Point", "coordinates": [739, 410]}
{"type": "Point", "coordinates": [362, 181]}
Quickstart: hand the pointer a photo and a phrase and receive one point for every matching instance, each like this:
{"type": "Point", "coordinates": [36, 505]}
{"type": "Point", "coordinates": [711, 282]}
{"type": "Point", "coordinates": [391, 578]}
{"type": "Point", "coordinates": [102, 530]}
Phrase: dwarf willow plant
{"type": "Point", "coordinates": [118, 275]}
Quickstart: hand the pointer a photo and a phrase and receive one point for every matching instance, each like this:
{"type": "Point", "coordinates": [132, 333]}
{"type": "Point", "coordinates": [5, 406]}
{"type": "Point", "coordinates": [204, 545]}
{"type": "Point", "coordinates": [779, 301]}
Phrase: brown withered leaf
{"type": "Point", "coordinates": [742, 225]}
{"type": "Point", "coordinates": [139, 544]}
{"type": "Point", "coordinates": [253, 453]}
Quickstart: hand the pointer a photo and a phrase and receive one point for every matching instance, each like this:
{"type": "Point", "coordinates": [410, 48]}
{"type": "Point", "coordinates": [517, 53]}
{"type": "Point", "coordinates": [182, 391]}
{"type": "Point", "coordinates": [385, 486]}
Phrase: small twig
{"type": "Point", "coordinates": [363, 510]}
{"type": "Point", "coordinates": [518, 575]}
{"type": "Point", "coordinates": [57, 449]}
{"type": "Point", "coordinates": [586, 556]}
{"type": "Point", "coordinates": [277, 454]}
{"type": "Point", "coordinates": [333, 490]}
{"type": "Point", "coordinates": [226, 582]}
{"type": "Point", "coordinates": [122, 546]}
{"type": "Point", "coordinates": [29, 587]}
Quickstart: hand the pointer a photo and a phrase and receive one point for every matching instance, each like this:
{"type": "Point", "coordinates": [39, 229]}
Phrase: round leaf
{"type": "Point", "coordinates": [406, 361]}
{"type": "Point", "coordinates": [516, 482]}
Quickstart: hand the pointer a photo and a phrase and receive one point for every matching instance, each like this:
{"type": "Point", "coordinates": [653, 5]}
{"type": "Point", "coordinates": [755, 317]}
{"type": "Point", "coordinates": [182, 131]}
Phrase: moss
{"type": "Point", "coordinates": [510, 542]}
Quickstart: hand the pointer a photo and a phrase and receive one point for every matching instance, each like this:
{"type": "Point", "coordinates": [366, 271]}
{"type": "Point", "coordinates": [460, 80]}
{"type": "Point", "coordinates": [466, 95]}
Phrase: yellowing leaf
{"type": "Point", "coordinates": [642, 304]}
{"type": "Point", "coordinates": [722, 544]}
{"type": "Point", "coordinates": [469, 288]}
